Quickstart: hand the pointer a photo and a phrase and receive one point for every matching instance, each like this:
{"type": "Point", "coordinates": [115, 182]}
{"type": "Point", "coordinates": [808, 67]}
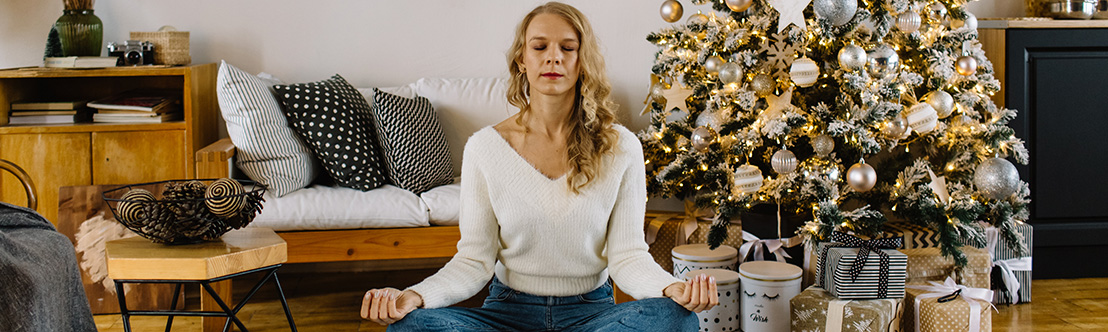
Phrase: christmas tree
{"type": "Point", "coordinates": [850, 112]}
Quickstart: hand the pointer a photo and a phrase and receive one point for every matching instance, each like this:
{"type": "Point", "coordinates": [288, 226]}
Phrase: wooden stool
{"type": "Point", "coordinates": [239, 252]}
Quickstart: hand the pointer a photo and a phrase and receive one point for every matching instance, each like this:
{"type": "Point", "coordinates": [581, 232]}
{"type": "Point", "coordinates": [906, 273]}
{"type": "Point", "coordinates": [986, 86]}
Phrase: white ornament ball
{"type": "Point", "coordinates": [882, 60]}
{"type": "Point", "coordinates": [852, 57]}
{"type": "Point", "coordinates": [823, 145]}
{"type": "Point", "coordinates": [671, 11]}
{"type": "Point", "coordinates": [895, 128]}
{"type": "Point", "coordinates": [922, 118]}
{"type": "Point", "coordinates": [701, 138]}
{"type": "Point", "coordinates": [784, 161]}
{"type": "Point", "coordinates": [804, 72]}
{"type": "Point", "coordinates": [713, 64]}
{"type": "Point", "coordinates": [839, 12]}
{"type": "Point", "coordinates": [909, 21]}
{"type": "Point", "coordinates": [996, 178]}
{"type": "Point", "coordinates": [942, 101]}
{"type": "Point", "coordinates": [731, 72]}
{"type": "Point", "coordinates": [762, 85]}
{"type": "Point", "coordinates": [969, 22]}
{"type": "Point", "coordinates": [712, 119]}
{"type": "Point", "coordinates": [966, 65]}
{"type": "Point", "coordinates": [738, 5]}
{"type": "Point", "coordinates": [862, 177]}
{"type": "Point", "coordinates": [747, 180]}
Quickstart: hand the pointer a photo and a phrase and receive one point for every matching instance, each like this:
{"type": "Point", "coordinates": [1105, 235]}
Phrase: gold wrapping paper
{"type": "Point", "coordinates": [939, 317]}
{"type": "Point", "coordinates": [929, 264]}
{"type": "Point", "coordinates": [809, 312]}
{"type": "Point", "coordinates": [671, 229]}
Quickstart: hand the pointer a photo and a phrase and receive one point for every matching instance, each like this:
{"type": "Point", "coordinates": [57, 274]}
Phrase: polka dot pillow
{"type": "Point", "coordinates": [334, 119]}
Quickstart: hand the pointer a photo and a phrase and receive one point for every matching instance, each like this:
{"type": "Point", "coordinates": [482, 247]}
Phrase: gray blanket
{"type": "Point", "coordinates": [40, 283]}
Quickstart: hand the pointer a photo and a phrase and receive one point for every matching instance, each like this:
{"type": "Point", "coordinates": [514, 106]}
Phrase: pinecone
{"type": "Point", "coordinates": [160, 226]}
{"type": "Point", "coordinates": [184, 201]}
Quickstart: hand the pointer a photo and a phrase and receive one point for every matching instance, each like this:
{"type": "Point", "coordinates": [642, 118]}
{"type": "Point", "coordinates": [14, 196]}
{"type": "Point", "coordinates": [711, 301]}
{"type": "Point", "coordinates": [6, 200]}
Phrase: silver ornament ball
{"type": "Point", "coordinates": [895, 128]}
{"type": "Point", "coordinates": [823, 145]}
{"type": "Point", "coordinates": [909, 21]}
{"type": "Point", "coordinates": [712, 119]}
{"type": "Point", "coordinates": [697, 18]}
{"type": "Point", "coordinates": [996, 178]}
{"type": "Point", "coordinates": [738, 5]}
{"type": "Point", "coordinates": [852, 57]}
{"type": "Point", "coordinates": [713, 64]}
{"type": "Point", "coordinates": [820, 168]}
{"type": "Point", "coordinates": [882, 60]}
{"type": "Point", "coordinates": [942, 101]}
{"type": "Point", "coordinates": [862, 177]}
{"type": "Point", "coordinates": [839, 12]}
{"type": "Point", "coordinates": [966, 65]}
{"type": "Point", "coordinates": [731, 73]}
{"type": "Point", "coordinates": [936, 12]}
{"type": "Point", "coordinates": [701, 138]}
{"type": "Point", "coordinates": [784, 161]}
{"type": "Point", "coordinates": [671, 11]}
{"type": "Point", "coordinates": [763, 85]}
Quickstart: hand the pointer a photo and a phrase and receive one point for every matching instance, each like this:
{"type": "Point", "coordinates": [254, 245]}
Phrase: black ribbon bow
{"type": "Point", "coordinates": [864, 248]}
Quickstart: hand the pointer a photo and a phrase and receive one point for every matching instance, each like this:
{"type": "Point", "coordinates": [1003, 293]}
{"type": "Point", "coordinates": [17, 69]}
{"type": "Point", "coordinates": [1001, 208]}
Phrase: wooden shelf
{"type": "Point", "coordinates": [90, 127]}
{"type": "Point", "coordinates": [1037, 23]}
{"type": "Point", "coordinates": [34, 72]}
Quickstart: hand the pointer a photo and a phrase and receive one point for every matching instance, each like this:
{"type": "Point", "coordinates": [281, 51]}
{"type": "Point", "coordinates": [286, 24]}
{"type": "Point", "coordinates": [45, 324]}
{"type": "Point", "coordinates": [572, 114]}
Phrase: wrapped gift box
{"type": "Point", "coordinates": [834, 273]}
{"type": "Point", "coordinates": [929, 264]}
{"type": "Point", "coordinates": [953, 315]}
{"type": "Point", "coordinates": [672, 229]}
{"type": "Point", "coordinates": [812, 307]}
{"type": "Point", "coordinates": [914, 236]}
{"type": "Point", "coordinates": [1020, 265]}
{"type": "Point", "coordinates": [764, 222]}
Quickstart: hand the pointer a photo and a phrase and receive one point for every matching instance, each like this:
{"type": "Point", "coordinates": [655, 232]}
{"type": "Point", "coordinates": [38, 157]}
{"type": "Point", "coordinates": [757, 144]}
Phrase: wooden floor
{"type": "Point", "coordinates": [330, 302]}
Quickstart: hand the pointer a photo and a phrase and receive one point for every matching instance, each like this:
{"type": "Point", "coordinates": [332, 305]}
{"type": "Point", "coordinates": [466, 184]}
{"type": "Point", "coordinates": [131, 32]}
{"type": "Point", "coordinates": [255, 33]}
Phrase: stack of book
{"type": "Point", "coordinates": [137, 107]}
{"type": "Point", "coordinates": [48, 112]}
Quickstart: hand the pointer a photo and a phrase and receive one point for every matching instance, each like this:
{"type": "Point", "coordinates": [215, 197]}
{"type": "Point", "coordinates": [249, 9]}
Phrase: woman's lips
{"type": "Point", "coordinates": [552, 75]}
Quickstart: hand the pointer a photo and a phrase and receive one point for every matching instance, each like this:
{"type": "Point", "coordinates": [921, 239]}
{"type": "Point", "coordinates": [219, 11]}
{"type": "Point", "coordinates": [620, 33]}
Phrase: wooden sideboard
{"type": "Point", "coordinates": [99, 153]}
{"type": "Point", "coordinates": [1054, 73]}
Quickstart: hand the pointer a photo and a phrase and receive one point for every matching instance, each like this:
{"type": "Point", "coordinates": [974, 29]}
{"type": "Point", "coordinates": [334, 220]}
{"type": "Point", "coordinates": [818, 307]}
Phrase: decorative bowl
{"type": "Point", "coordinates": [144, 209]}
{"type": "Point", "coordinates": [1071, 9]}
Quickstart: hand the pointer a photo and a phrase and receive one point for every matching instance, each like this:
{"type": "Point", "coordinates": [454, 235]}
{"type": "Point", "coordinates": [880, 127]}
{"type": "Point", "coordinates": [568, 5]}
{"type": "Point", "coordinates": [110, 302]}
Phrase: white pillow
{"type": "Point", "coordinates": [268, 150]}
{"type": "Point", "coordinates": [464, 106]}
{"type": "Point", "coordinates": [443, 204]}
{"type": "Point", "coordinates": [323, 207]}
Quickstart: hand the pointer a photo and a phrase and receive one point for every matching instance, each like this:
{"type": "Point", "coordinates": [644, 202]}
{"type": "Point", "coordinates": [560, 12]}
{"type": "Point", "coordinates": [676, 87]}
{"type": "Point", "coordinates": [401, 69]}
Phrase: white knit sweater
{"type": "Point", "coordinates": [540, 238]}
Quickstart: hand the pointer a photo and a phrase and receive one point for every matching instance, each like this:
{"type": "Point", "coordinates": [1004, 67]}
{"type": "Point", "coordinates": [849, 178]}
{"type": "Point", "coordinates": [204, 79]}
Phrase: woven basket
{"type": "Point", "coordinates": [162, 229]}
{"type": "Point", "coordinates": [170, 47]}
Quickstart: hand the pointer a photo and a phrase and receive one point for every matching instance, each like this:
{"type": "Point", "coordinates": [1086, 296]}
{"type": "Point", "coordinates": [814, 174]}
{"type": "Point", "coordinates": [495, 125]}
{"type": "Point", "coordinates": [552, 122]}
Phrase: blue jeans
{"type": "Point", "coordinates": [509, 310]}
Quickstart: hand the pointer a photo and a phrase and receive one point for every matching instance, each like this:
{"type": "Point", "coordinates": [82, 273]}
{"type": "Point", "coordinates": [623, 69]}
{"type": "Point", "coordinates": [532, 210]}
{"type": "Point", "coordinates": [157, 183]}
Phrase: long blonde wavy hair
{"type": "Point", "coordinates": [591, 134]}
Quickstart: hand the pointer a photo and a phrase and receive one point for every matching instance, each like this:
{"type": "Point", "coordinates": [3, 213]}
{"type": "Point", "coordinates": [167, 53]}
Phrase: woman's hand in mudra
{"type": "Point", "coordinates": [697, 295]}
{"type": "Point", "coordinates": [387, 305]}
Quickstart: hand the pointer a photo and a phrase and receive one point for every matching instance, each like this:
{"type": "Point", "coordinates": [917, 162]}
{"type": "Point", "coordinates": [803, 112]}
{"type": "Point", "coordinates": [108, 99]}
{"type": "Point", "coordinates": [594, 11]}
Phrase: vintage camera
{"type": "Point", "coordinates": [132, 53]}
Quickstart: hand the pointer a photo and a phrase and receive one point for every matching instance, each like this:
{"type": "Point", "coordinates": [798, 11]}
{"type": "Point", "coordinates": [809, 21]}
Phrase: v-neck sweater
{"type": "Point", "coordinates": [540, 238]}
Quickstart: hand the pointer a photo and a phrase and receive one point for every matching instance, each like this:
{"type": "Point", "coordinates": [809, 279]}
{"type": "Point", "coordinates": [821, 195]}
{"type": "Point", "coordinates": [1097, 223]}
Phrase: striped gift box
{"type": "Point", "coordinates": [838, 282]}
{"type": "Point", "coordinates": [914, 236]}
{"type": "Point", "coordinates": [1004, 252]}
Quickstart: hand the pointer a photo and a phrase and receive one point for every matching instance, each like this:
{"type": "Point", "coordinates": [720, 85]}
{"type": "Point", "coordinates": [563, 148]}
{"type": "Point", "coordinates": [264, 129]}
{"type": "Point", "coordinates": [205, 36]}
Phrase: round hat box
{"type": "Point", "coordinates": [725, 316]}
{"type": "Point", "coordinates": [692, 257]}
{"type": "Point", "coordinates": [767, 288]}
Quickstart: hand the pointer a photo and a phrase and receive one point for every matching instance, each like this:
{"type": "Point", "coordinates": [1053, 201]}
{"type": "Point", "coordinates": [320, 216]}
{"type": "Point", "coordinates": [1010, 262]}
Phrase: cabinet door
{"type": "Point", "coordinates": [52, 161]}
{"type": "Point", "coordinates": [138, 156]}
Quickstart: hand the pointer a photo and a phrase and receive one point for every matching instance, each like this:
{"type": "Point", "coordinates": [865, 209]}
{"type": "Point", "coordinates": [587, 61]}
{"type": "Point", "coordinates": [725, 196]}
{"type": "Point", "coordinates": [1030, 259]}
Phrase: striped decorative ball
{"type": "Point", "coordinates": [133, 204]}
{"type": "Point", "coordinates": [224, 197]}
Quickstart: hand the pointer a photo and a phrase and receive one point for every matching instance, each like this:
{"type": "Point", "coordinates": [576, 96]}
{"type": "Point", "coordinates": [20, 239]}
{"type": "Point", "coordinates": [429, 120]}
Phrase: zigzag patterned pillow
{"type": "Point", "coordinates": [415, 147]}
{"type": "Point", "coordinates": [268, 150]}
{"type": "Point", "coordinates": [333, 118]}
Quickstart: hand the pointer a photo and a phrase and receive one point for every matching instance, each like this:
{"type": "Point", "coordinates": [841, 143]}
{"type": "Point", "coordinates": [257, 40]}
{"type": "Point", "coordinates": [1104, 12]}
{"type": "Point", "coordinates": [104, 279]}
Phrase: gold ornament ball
{"type": "Point", "coordinates": [671, 11]}
{"type": "Point", "coordinates": [731, 72]}
{"type": "Point", "coordinates": [852, 57]}
{"type": "Point", "coordinates": [895, 128]}
{"type": "Point", "coordinates": [823, 145]}
{"type": "Point", "coordinates": [921, 117]}
{"type": "Point", "coordinates": [909, 21]}
{"type": "Point", "coordinates": [996, 178]}
{"type": "Point", "coordinates": [738, 5]}
{"type": "Point", "coordinates": [966, 65]}
{"type": "Point", "coordinates": [701, 138]}
{"type": "Point", "coordinates": [862, 177]}
{"type": "Point", "coordinates": [804, 72]}
{"type": "Point", "coordinates": [697, 18]}
{"type": "Point", "coordinates": [726, 141]}
{"type": "Point", "coordinates": [942, 101]}
{"type": "Point", "coordinates": [747, 179]}
{"type": "Point", "coordinates": [657, 93]}
{"type": "Point", "coordinates": [763, 85]}
{"type": "Point", "coordinates": [713, 64]}
{"type": "Point", "coordinates": [783, 161]}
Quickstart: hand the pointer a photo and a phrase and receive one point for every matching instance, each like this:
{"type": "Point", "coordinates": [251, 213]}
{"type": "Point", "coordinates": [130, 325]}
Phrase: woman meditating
{"type": "Point", "coordinates": [553, 203]}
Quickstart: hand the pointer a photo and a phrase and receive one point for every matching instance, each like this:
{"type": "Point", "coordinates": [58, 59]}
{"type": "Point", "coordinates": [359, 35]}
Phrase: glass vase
{"type": "Point", "coordinates": [80, 33]}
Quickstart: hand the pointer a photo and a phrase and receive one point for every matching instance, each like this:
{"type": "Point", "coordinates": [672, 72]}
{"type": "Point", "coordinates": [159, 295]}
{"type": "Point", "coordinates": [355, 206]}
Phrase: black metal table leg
{"type": "Point", "coordinates": [226, 309]}
{"type": "Point", "coordinates": [285, 304]}
{"type": "Point", "coordinates": [123, 306]}
{"type": "Point", "coordinates": [173, 306]}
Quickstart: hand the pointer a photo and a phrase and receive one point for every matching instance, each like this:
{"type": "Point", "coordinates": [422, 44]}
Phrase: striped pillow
{"type": "Point", "coordinates": [415, 147]}
{"type": "Point", "coordinates": [268, 150]}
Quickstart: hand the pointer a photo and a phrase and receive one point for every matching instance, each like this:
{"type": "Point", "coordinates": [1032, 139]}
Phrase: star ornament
{"type": "Point", "coordinates": [791, 12]}
{"type": "Point", "coordinates": [676, 96]}
{"type": "Point", "coordinates": [776, 105]}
